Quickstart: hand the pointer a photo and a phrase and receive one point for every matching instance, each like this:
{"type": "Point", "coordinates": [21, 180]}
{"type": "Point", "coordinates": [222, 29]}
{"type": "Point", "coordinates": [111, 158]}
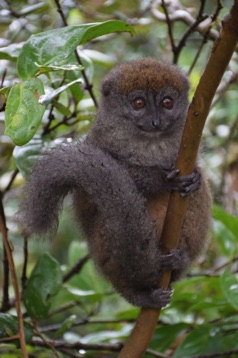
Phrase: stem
{"type": "Point", "coordinates": [21, 335]}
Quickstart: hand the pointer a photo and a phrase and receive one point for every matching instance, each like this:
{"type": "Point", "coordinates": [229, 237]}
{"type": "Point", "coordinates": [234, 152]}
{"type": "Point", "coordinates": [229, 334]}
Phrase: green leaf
{"type": "Point", "coordinates": [9, 327]}
{"type": "Point", "coordinates": [166, 335]}
{"type": "Point", "coordinates": [27, 155]}
{"type": "Point", "coordinates": [204, 339]}
{"type": "Point", "coordinates": [55, 46]}
{"type": "Point", "coordinates": [65, 326]}
{"type": "Point", "coordinates": [4, 90]}
{"type": "Point", "coordinates": [230, 221]}
{"type": "Point", "coordinates": [207, 340]}
{"type": "Point", "coordinates": [44, 282]}
{"type": "Point", "coordinates": [225, 228]}
{"type": "Point", "coordinates": [229, 285]}
{"type": "Point", "coordinates": [62, 108]}
{"type": "Point", "coordinates": [10, 52]}
{"type": "Point", "coordinates": [90, 282]}
{"type": "Point", "coordinates": [226, 240]}
{"type": "Point", "coordinates": [23, 111]}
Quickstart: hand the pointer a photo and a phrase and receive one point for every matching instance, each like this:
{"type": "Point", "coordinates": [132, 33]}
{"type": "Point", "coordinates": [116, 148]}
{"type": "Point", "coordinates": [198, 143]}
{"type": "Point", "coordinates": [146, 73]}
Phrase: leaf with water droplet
{"type": "Point", "coordinates": [23, 110]}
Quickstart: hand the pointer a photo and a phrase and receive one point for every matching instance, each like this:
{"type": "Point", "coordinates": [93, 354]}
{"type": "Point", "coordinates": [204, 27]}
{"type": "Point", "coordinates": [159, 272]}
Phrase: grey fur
{"type": "Point", "coordinates": [123, 162]}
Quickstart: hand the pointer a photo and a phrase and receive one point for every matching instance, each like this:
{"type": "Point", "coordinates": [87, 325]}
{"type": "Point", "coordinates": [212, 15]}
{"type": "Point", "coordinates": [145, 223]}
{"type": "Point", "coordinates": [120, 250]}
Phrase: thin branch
{"type": "Point", "coordinates": [233, 78]}
{"type": "Point", "coordinates": [76, 268]}
{"type": "Point", "coordinates": [47, 343]}
{"type": "Point", "coordinates": [3, 78]}
{"type": "Point", "coordinates": [179, 14]}
{"type": "Point", "coordinates": [199, 51]}
{"type": "Point", "coordinates": [169, 23]}
{"type": "Point", "coordinates": [84, 321]}
{"type": "Point", "coordinates": [60, 11]}
{"type": "Point", "coordinates": [47, 128]}
{"type": "Point", "coordinates": [200, 18]}
{"type": "Point", "coordinates": [3, 230]}
{"type": "Point", "coordinates": [61, 309]}
{"type": "Point", "coordinates": [25, 261]}
{"type": "Point", "coordinates": [79, 345]}
{"type": "Point", "coordinates": [5, 296]}
{"type": "Point", "coordinates": [206, 35]}
{"type": "Point", "coordinates": [88, 85]}
{"type": "Point", "coordinates": [222, 266]}
{"type": "Point", "coordinates": [218, 9]}
{"type": "Point", "coordinates": [5, 292]}
{"type": "Point", "coordinates": [13, 177]}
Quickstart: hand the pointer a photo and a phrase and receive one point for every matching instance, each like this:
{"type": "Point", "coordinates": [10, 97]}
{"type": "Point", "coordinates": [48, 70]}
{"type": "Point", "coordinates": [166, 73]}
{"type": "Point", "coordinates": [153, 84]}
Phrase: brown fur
{"type": "Point", "coordinates": [149, 74]}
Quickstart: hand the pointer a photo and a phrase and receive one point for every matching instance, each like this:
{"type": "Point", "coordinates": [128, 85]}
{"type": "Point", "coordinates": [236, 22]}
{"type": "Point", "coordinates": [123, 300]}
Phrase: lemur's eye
{"type": "Point", "coordinates": [138, 103]}
{"type": "Point", "coordinates": [167, 103]}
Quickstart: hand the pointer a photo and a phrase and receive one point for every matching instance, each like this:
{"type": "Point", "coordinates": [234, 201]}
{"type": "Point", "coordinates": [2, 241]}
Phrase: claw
{"type": "Point", "coordinates": [183, 184]}
{"type": "Point", "coordinates": [175, 260]}
{"type": "Point", "coordinates": [162, 296]}
{"type": "Point", "coordinates": [172, 174]}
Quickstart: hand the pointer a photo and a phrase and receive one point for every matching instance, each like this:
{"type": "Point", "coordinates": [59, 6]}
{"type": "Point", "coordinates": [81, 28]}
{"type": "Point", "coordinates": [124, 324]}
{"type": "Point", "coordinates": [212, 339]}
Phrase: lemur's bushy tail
{"type": "Point", "coordinates": [88, 168]}
{"type": "Point", "coordinates": [124, 237]}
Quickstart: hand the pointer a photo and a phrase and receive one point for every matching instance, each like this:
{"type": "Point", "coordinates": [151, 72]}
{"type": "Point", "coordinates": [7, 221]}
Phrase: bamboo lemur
{"type": "Point", "coordinates": [127, 158]}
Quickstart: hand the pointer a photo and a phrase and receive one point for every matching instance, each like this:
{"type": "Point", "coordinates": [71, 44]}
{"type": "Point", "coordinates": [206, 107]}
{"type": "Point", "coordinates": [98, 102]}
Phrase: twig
{"type": "Point", "coordinates": [5, 297]}
{"type": "Point", "coordinates": [199, 51]}
{"type": "Point", "coordinates": [88, 85]}
{"type": "Point", "coordinates": [47, 128]}
{"type": "Point", "coordinates": [200, 17]}
{"type": "Point", "coordinates": [222, 266]}
{"type": "Point", "coordinates": [179, 14]}
{"type": "Point", "coordinates": [47, 343]}
{"type": "Point", "coordinates": [3, 230]}
{"type": "Point", "coordinates": [206, 36]}
{"type": "Point", "coordinates": [224, 86]}
{"type": "Point", "coordinates": [8, 187]}
{"type": "Point", "coordinates": [76, 268]}
{"type": "Point", "coordinates": [218, 9]}
{"type": "Point", "coordinates": [3, 78]}
{"type": "Point", "coordinates": [79, 345]}
{"type": "Point", "coordinates": [84, 321]}
{"type": "Point", "coordinates": [25, 261]}
{"type": "Point", "coordinates": [170, 31]}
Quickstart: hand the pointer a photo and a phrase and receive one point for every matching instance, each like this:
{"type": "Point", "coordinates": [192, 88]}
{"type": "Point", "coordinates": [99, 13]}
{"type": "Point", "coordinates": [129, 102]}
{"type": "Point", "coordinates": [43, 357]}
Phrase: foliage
{"type": "Point", "coordinates": [47, 98]}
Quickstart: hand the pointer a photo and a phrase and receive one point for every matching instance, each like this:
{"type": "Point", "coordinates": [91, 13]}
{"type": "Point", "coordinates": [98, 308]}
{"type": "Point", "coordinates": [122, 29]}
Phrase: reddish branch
{"type": "Point", "coordinates": [21, 333]}
{"type": "Point", "coordinates": [197, 114]}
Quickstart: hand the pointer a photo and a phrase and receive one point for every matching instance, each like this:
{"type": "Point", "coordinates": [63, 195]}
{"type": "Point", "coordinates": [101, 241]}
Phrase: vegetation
{"type": "Point", "coordinates": [53, 56]}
